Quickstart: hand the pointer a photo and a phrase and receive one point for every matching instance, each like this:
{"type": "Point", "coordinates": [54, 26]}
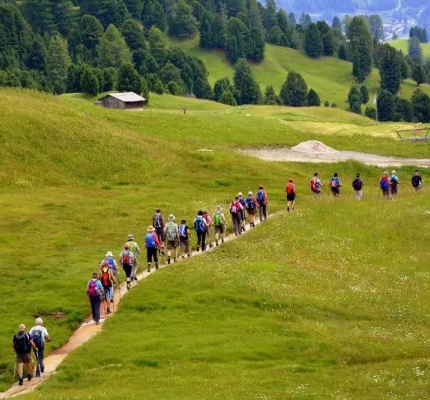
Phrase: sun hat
{"type": "Point", "coordinates": [109, 254]}
{"type": "Point", "coordinates": [393, 172]}
{"type": "Point", "coordinates": [239, 194]}
{"type": "Point", "coordinates": [130, 237]}
{"type": "Point", "coordinates": [249, 193]}
{"type": "Point", "coordinates": [151, 228]}
{"type": "Point", "coordinates": [171, 217]}
{"type": "Point", "coordinates": [218, 207]}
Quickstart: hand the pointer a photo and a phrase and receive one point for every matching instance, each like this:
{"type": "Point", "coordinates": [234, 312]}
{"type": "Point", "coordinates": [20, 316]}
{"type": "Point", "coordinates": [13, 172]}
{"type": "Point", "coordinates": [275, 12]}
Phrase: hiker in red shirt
{"type": "Point", "coordinates": [290, 189]}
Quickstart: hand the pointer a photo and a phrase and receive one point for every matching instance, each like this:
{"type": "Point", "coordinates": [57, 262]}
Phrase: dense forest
{"type": "Point", "coordinates": [94, 46]}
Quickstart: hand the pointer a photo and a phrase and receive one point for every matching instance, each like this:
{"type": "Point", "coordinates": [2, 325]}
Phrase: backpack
{"type": "Point", "coordinates": [217, 219]}
{"type": "Point", "coordinates": [133, 246]}
{"type": "Point", "coordinates": [22, 343]}
{"type": "Point", "coordinates": [357, 184]}
{"type": "Point", "coordinates": [158, 221]}
{"type": "Point", "coordinates": [183, 231]}
{"type": "Point", "coordinates": [234, 209]}
{"type": "Point", "coordinates": [92, 290]}
{"type": "Point", "coordinates": [416, 181]}
{"type": "Point", "coordinates": [199, 225]}
{"type": "Point", "coordinates": [260, 197]}
{"type": "Point", "coordinates": [171, 231]}
{"type": "Point", "coordinates": [334, 182]}
{"type": "Point", "coordinates": [127, 258]}
{"type": "Point", "coordinates": [37, 338]}
{"type": "Point", "coordinates": [250, 203]}
{"type": "Point", "coordinates": [150, 241]}
{"type": "Point", "coordinates": [290, 188]}
{"type": "Point", "coordinates": [384, 184]}
{"type": "Point", "coordinates": [105, 278]}
{"type": "Point", "coordinates": [393, 181]}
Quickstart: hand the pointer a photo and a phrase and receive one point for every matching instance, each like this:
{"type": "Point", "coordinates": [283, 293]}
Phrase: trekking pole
{"type": "Point", "coordinates": [14, 371]}
{"type": "Point", "coordinates": [39, 365]}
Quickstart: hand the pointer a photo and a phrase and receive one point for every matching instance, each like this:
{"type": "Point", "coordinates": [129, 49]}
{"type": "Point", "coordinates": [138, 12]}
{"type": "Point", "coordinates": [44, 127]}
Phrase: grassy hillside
{"type": "Point", "coordinates": [402, 44]}
{"type": "Point", "coordinates": [285, 311]}
{"type": "Point", "coordinates": [329, 76]}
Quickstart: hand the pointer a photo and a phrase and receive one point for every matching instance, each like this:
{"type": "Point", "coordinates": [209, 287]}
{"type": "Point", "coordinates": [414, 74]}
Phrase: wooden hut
{"type": "Point", "coordinates": [123, 101]}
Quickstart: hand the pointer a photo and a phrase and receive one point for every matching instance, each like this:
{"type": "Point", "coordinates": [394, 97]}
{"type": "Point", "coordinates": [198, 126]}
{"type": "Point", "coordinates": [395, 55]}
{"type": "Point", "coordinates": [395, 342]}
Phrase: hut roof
{"type": "Point", "coordinates": [127, 97]}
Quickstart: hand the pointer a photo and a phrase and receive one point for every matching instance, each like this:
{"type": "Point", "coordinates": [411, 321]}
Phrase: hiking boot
{"type": "Point", "coordinates": [111, 300]}
{"type": "Point", "coordinates": [37, 374]}
{"type": "Point", "coordinates": [108, 311]}
{"type": "Point", "coordinates": [210, 245]}
{"type": "Point", "coordinates": [189, 254]}
{"type": "Point", "coordinates": [29, 376]}
{"type": "Point", "coordinates": [149, 268]}
{"type": "Point", "coordinates": [183, 257]}
{"type": "Point", "coordinates": [222, 240]}
{"type": "Point", "coordinates": [156, 266]}
{"type": "Point", "coordinates": [216, 243]}
{"type": "Point", "coordinates": [198, 248]}
{"type": "Point", "coordinates": [168, 260]}
{"type": "Point", "coordinates": [288, 209]}
{"type": "Point", "coordinates": [21, 381]}
{"type": "Point", "coordinates": [128, 286]}
{"type": "Point", "coordinates": [175, 259]}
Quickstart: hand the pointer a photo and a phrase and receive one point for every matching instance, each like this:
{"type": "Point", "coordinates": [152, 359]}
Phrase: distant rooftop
{"type": "Point", "coordinates": [127, 97]}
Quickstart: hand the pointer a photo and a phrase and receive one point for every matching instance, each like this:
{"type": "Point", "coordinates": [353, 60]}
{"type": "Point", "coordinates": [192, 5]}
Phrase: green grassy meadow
{"type": "Point", "coordinates": [329, 76]}
{"type": "Point", "coordinates": [331, 301]}
{"type": "Point", "coordinates": [402, 44]}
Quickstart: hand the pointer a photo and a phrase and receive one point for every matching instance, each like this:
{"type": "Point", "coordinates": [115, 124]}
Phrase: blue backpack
{"type": "Point", "coordinates": [150, 241]}
{"type": "Point", "coordinates": [260, 197]}
{"type": "Point", "coordinates": [250, 203]}
{"type": "Point", "coordinates": [199, 225]}
{"type": "Point", "coordinates": [183, 231]}
{"type": "Point", "coordinates": [111, 262]}
{"type": "Point", "coordinates": [383, 184]}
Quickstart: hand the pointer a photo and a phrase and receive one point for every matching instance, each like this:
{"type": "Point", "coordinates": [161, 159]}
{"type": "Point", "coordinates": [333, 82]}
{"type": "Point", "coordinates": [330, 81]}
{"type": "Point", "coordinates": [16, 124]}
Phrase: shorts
{"type": "Point", "coordinates": [172, 244]}
{"type": "Point", "coordinates": [23, 358]}
{"type": "Point", "coordinates": [393, 189]}
{"type": "Point", "coordinates": [335, 190]}
{"type": "Point", "coordinates": [185, 245]}
{"type": "Point", "coordinates": [250, 212]}
{"type": "Point", "coordinates": [291, 196]}
{"type": "Point", "coordinates": [108, 292]}
{"type": "Point", "coordinates": [219, 229]}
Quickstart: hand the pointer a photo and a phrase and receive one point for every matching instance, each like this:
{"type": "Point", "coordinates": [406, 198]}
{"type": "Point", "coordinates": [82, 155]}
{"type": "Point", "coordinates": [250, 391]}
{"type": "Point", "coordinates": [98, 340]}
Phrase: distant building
{"type": "Point", "coordinates": [123, 101]}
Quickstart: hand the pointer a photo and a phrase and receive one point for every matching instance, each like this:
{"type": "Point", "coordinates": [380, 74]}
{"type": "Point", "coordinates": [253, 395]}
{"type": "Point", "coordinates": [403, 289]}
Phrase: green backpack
{"type": "Point", "coordinates": [217, 219]}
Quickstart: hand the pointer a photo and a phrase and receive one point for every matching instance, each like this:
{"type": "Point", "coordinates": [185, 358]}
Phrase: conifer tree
{"type": "Point", "coordinates": [313, 42]}
{"type": "Point", "coordinates": [113, 50]}
{"type": "Point", "coordinates": [390, 69]}
{"type": "Point", "coordinates": [294, 90]}
{"type": "Point", "coordinates": [182, 23]}
{"type": "Point", "coordinates": [57, 64]}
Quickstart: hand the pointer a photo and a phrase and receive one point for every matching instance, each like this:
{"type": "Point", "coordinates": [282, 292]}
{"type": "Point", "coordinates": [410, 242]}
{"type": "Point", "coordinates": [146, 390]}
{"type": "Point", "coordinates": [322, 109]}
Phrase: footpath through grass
{"type": "Point", "coordinates": [76, 179]}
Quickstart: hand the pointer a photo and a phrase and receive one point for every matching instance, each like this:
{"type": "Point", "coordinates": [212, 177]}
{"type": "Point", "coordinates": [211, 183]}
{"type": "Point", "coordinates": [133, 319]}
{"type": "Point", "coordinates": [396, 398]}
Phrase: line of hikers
{"type": "Point", "coordinates": [389, 185]}
{"type": "Point", "coordinates": [170, 240]}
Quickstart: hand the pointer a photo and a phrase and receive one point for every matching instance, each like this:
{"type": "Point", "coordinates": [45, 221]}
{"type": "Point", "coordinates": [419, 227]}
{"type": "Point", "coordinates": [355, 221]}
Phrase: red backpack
{"type": "Point", "coordinates": [106, 282]}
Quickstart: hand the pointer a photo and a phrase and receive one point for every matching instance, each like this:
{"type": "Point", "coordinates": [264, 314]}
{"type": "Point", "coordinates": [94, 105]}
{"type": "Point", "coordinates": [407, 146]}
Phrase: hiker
{"type": "Point", "coordinates": [316, 185]}
{"type": "Point", "coordinates": [262, 203]}
{"type": "Point", "coordinates": [113, 266]}
{"type": "Point", "coordinates": [158, 224]}
{"type": "Point", "coordinates": [251, 207]}
{"type": "Point", "coordinates": [200, 228]}
{"type": "Point", "coordinates": [357, 185]}
{"type": "Point", "coordinates": [394, 182]}
{"type": "Point", "coordinates": [152, 244]}
{"type": "Point", "coordinates": [236, 211]}
{"type": "Point", "coordinates": [134, 248]}
{"type": "Point", "coordinates": [172, 238]}
{"type": "Point", "coordinates": [219, 224]}
{"type": "Point", "coordinates": [384, 184]}
{"type": "Point", "coordinates": [417, 181]}
{"type": "Point", "coordinates": [22, 343]}
{"type": "Point", "coordinates": [335, 185]}
{"type": "Point", "coordinates": [290, 189]}
{"type": "Point", "coordinates": [126, 259]}
{"type": "Point", "coordinates": [184, 239]}
{"type": "Point", "coordinates": [242, 213]}
{"type": "Point", "coordinates": [107, 280]}
{"type": "Point", "coordinates": [208, 221]}
{"type": "Point", "coordinates": [94, 292]}
{"type": "Point", "coordinates": [40, 336]}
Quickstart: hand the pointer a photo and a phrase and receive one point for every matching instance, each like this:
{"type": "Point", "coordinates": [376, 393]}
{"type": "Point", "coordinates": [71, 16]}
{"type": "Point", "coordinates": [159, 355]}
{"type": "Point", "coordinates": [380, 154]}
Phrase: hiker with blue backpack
{"type": "Point", "coordinates": [152, 245]}
{"type": "Point", "coordinates": [200, 229]}
{"type": "Point", "coordinates": [184, 239]}
{"type": "Point", "coordinates": [262, 203]}
{"type": "Point", "coordinates": [384, 184]}
{"type": "Point", "coordinates": [126, 259]}
{"type": "Point", "coordinates": [22, 343]}
{"type": "Point", "coordinates": [94, 292]}
{"type": "Point", "coordinates": [40, 336]}
{"type": "Point", "coordinates": [236, 211]}
{"type": "Point", "coordinates": [219, 224]}
{"type": "Point", "coordinates": [171, 234]}
{"type": "Point", "coordinates": [251, 206]}
{"type": "Point", "coordinates": [335, 185]}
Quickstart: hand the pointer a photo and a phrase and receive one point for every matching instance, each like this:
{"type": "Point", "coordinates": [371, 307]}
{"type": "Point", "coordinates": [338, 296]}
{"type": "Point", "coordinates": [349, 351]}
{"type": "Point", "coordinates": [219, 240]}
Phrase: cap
{"type": "Point", "coordinates": [151, 228]}
{"type": "Point", "coordinates": [127, 246]}
{"type": "Point", "coordinates": [171, 217]}
{"type": "Point", "coordinates": [109, 254]}
{"type": "Point", "coordinates": [130, 237]}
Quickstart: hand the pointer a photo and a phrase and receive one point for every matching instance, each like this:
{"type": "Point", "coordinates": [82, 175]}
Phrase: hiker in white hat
{"type": "Point", "coordinates": [113, 266]}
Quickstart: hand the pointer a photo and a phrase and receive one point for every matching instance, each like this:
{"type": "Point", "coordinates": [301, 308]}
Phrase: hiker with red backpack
{"type": "Point", "coordinates": [152, 245]}
{"type": "Point", "coordinates": [316, 185]}
{"type": "Point", "coordinates": [107, 280]}
{"type": "Point", "coordinates": [384, 184]}
{"type": "Point", "coordinates": [126, 259]}
{"type": "Point", "coordinates": [290, 189]}
{"type": "Point", "coordinates": [236, 211]}
{"type": "Point", "coordinates": [200, 229]}
{"type": "Point", "coordinates": [171, 234]}
{"type": "Point", "coordinates": [22, 343]}
{"type": "Point", "coordinates": [262, 203]}
{"type": "Point", "coordinates": [251, 206]}
{"type": "Point", "coordinates": [94, 292]}
{"type": "Point", "coordinates": [113, 266]}
{"type": "Point", "coordinates": [335, 185]}
{"type": "Point", "coordinates": [219, 224]}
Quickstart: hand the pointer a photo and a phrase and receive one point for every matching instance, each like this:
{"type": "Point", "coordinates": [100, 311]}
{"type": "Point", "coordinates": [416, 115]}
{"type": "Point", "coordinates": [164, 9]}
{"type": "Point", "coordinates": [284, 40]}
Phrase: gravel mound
{"type": "Point", "coordinates": [313, 146]}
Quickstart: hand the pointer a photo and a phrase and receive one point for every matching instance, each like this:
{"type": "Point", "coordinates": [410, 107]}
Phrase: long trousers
{"type": "Point", "coordinates": [95, 307]}
{"type": "Point", "coordinates": [236, 223]}
{"type": "Point", "coordinates": [201, 240]}
{"type": "Point", "coordinates": [262, 212]}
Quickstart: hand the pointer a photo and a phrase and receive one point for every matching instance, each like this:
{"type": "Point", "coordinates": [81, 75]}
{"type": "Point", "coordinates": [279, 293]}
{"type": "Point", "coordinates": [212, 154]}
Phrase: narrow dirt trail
{"type": "Point", "coordinates": [89, 329]}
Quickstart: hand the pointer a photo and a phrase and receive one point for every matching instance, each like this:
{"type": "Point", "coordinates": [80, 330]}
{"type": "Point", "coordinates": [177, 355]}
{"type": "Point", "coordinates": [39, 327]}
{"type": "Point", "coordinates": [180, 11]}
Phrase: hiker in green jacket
{"type": "Point", "coordinates": [219, 223]}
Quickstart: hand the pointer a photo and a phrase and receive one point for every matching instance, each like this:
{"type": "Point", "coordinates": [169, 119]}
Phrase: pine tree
{"type": "Point", "coordinates": [106, 11]}
{"type": "Point", "coordinates": [354, 96]}
{"type": "Point", "coordinates": [418, 74]}
{"type": "Point", "coordinates": [57, 64]}
{"type": "Point", "coordinates": [342, 52]}
{"type": "Point", "coordinates": [360, 42]}
{"type": "Point", "coordinates": [269, 19]}
{"type": "Point", "coordinates": [134, 7]}
{"type": "Point", "coordinates": [228, 98]}
{"type": "Point", "coordinates": [336, 24]}
{"type": "Point", "coordinates": [129, 79]}
{"type": "Point", "coordinates": [182, 23]}
{"type": "Point", "coordinates": [294, 90]}
{"type": "Point", "coordinates": [420, 102]}
{"type": "Point", "coordinates": [241, 68]}
{"type": "Point", "coordinates": [110, 79]}
{"type": "Point", "coordinates": [64, 15]}
{"type": "Point", "coordinates": [313, 100]}
{"type": "Point", "coordinates": [403, 107]}
{"type": "Point", "coordinates": [256, 45]}
{"type": "Point", "coordinates": [90, 34]}
{"type": "Point", "coordinates": [153, 15]}
{"type": "Point", "coordinates": [113, 50]}
{"type": "Point", "coordinates": [133, 35]}
{"type": "Point", "coordinates": [385, 105]}
{"type": "Point", "coordinates": [390, 69]}
{"type": "Point", "coordinates": [249, 90]}
{"type": "Point", "coordinates": [89, 82]}
{"type": "Point", "coordinates": [39, 14]}
{"type": "Point", "coordinates": [221, 86]}
{"type": "Point", "coordinates": [37, 55]}
{"type": "Point", "coordinates": [206, 39]}
{"type": "Point", "coordinates": [237, 39]}
{"type": "Point", "coordinates": [313, 42]}
{"type": "Point", "coordinates": [364, 94]}
{"type": "Point", "coordinates": [270, 97]}
{"type": "Point", "coordinates": [414, 50]}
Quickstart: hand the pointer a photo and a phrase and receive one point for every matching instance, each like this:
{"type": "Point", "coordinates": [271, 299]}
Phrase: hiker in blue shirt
{"type": "Point", "coordinates": [335, 185]}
